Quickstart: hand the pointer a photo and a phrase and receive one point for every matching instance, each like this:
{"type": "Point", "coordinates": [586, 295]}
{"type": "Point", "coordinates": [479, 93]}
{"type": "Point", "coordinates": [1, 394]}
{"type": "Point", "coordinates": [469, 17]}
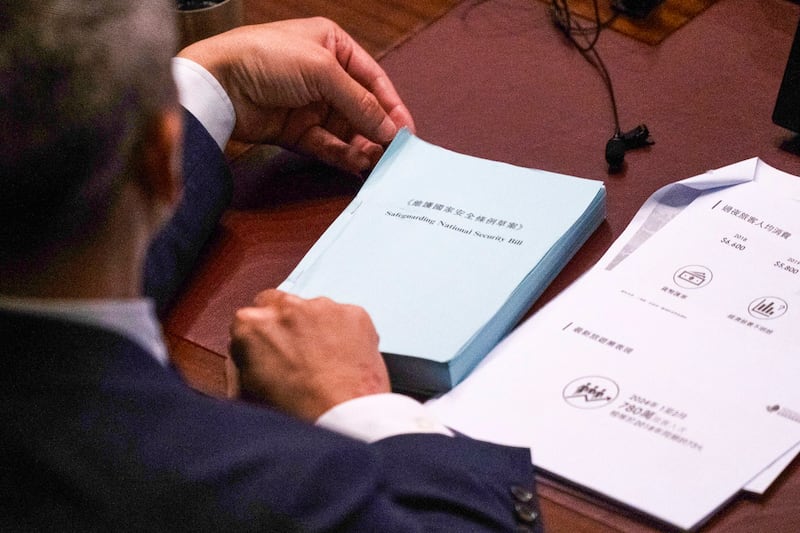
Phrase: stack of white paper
{"type": "Point", "coordinates": [666, 377]}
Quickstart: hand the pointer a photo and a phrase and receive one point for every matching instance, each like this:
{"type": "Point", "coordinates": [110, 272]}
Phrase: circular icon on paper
{"type": "Point", "coordinates": [767, 307]}
{"type": "Point", "coordinates": [692, 277]}
{"type": "Point", "coordinates": [590, 392]}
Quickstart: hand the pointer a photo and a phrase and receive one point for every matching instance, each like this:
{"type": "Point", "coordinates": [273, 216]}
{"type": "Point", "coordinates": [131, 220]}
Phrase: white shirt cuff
{"type": "Point", "coordinates": [379, 416]}
{"type": "Point", "coordinates": [203, 96]}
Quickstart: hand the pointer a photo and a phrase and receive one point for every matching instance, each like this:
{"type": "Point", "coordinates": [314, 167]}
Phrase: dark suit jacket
{"type": "Point", "coordinates": [96, 435]}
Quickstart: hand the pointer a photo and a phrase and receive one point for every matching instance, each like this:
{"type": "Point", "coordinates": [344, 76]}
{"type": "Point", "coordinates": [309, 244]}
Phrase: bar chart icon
{"type": "Point", "coordinates": [767, 307]}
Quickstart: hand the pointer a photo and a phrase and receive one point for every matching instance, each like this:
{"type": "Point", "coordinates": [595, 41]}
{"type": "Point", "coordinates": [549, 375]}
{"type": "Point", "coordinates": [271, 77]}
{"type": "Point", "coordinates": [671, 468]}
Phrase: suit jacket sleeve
{"type": "Point", "coordinates": [97, 436]}
{"type": "Point", "coordinates": [207, 190]}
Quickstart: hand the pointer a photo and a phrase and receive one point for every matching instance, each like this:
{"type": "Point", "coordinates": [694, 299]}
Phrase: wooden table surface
{"type": "Point", "coordinates": [493, 78]}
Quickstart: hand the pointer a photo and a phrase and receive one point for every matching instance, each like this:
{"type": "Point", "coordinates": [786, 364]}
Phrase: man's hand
{"type": "Point", "coordinates": [308, 86]}
{"type": "Point", "coordinates": [306, 356]}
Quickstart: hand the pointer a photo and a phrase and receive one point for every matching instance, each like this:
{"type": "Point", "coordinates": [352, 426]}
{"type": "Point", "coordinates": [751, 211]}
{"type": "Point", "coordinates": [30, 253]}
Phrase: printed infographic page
{"type": "Point", "coordinates": [665, 378]}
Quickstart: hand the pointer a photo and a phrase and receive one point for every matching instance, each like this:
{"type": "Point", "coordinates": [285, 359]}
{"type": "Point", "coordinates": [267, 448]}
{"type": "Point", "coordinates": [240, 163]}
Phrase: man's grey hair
{"type": "Point", "coordinates": [79, 81]}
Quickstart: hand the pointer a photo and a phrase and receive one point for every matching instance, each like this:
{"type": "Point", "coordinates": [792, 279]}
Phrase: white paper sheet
{"type": "Point", "coordinates": [665, 378]}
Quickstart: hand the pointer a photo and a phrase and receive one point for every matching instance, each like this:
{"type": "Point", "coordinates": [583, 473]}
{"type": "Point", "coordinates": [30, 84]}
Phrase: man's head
{"type": "Point", "coordinates": [82, 83]}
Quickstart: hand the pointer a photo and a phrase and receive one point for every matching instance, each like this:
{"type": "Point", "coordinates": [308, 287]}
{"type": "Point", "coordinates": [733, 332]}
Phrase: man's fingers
{"type": "Point", "coordinates": [356, 104]}
{"type": "Point", "coordinates": [274, 297]}
{"type": "Point", "coordinates": [401, 116]}
{"type": "Point", "coordinates": [332, 150]}
{"type": "Point", "coordinates": [365, 70]}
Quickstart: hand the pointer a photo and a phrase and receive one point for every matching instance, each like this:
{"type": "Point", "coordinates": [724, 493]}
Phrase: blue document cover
{"type": "Point", "coordinates": [447, 252]}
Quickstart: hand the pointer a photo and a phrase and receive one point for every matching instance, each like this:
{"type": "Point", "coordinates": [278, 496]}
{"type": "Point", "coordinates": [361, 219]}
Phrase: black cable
{"type": "Point", "coordinates": [584, 39]}
{"type": "Point", "coordinates": [572, 29]}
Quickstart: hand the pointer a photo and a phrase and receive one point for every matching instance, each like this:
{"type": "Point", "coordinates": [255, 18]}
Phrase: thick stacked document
{"type": "Point", "coordinates": [447, 252]}
{"type": "Point", "coordinates": [666, 377]}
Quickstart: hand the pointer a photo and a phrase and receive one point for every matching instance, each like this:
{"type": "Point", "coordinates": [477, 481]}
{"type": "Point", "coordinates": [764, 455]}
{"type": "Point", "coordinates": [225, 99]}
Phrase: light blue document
{"type": "Point", "coordinates": [447, 252]}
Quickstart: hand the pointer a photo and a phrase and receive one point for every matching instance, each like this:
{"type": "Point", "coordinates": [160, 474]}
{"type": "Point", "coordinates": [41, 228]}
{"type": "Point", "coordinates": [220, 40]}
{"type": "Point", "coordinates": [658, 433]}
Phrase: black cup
{"type": "Point", "coordinates": [199, 19]}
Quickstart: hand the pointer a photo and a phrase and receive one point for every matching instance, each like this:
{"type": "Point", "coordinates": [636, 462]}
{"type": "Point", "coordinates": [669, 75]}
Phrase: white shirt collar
{"type": "Point", "coordinates": [134, 319]}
